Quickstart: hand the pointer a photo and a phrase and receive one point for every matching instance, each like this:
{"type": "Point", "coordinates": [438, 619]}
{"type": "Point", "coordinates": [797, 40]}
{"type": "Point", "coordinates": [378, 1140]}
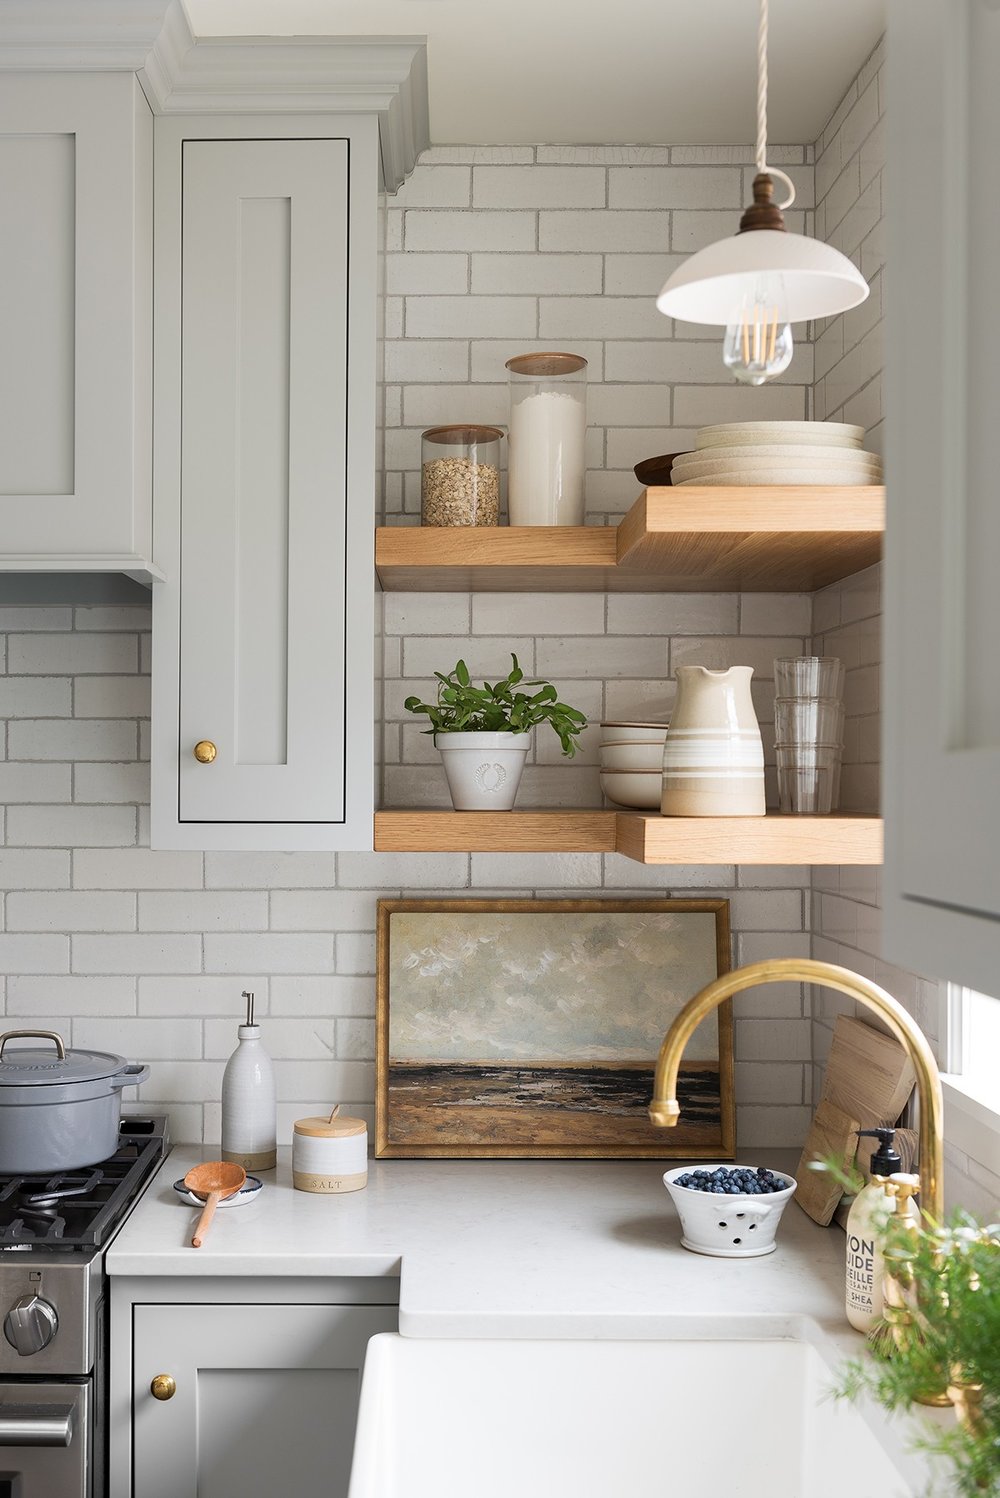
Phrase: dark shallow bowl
{"type": "Point", "coordinates": [654, 473]}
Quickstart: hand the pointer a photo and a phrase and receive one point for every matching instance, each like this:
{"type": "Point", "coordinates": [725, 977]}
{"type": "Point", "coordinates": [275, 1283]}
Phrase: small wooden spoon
{"type": "Point", "coordinates": [213, 1180]}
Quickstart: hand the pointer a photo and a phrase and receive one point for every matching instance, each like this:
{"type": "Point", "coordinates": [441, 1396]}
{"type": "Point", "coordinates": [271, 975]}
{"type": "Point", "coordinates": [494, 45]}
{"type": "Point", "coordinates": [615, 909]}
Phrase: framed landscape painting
{"type": "Point", "coordinates": [513, 1028]}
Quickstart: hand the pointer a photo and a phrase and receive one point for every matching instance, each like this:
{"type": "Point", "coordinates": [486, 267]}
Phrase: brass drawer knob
{"type": "Point", "coordinates": [164, 1386]}
{"type": "Point", "coordinates": [205, 751]}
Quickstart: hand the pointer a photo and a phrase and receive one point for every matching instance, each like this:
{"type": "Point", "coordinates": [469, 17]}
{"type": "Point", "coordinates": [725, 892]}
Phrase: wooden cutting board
{"type": "Point", "coordinates": [868, 1074]}
{"type": "Point", "coordinates": [832, 1135]}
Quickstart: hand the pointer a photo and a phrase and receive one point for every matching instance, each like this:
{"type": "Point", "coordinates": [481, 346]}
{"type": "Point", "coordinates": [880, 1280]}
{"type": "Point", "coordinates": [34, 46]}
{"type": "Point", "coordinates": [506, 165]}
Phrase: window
{"type": "Point", "coordinates": [972, 1084]}
{"type": "Point", "coordinates": [974, 1043]}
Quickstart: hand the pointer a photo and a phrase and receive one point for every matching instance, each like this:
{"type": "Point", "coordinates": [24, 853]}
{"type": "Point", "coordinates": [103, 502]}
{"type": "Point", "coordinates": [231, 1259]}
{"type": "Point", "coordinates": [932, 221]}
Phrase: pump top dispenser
{"type": "Point", "coordinates": [866, 1233]}
{"type": "Point", "coordinates": [249, 1108]}
{"type": "Point", "coordinates": [885, 1160]}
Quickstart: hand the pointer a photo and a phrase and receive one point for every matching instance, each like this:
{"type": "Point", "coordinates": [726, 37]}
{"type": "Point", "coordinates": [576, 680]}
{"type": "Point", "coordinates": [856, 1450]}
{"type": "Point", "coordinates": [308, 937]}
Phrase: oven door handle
{"type": "Point", "coordinates": [36, 1424]}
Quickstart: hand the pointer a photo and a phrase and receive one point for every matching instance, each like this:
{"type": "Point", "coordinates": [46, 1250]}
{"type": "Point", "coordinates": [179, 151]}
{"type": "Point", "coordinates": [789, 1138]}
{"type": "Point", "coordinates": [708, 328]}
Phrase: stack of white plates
{"type": "Point", "coordinates": [741, 454]}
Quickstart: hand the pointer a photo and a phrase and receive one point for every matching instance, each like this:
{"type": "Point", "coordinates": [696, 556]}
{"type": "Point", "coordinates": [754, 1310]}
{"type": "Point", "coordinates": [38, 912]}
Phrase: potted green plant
{"type": "Point", "coordinates": [945, 1338]}
{"type": "Point", "coordinates": [483, 732]}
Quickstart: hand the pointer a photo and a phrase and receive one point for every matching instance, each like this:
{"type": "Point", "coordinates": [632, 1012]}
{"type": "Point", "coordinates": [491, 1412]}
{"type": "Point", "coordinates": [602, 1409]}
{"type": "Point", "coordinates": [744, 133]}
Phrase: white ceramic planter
{"type": "Point", "coordinates": [483, 769]}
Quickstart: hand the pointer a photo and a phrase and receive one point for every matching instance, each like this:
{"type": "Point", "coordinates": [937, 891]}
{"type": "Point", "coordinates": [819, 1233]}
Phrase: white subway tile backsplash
{"type": "Point", "coordinates": [135, 868]}
{"type": "Point", "coordinates": [435, 187]}
{"type": "Point", "coordinates": [34, 954]}
{"type": "Point", "coordinates": [426, 359]}
{"type": "Point", "coordinates": [71, 654]}
{"type": "Point", "coordinates": [199, 994]}
{"type": "Point", "coordinates": [72, 738]}
{"type": "Point", "coordinates": [270, 871]}
{"type": "Point", "coordinates": [38, 997]}
{"type": "Point", "coordinates": [111, 783]}
{"type": "Point", "coordinates": [71, 826]}
{"type": "Point", "coordinates": [540, 186]}
{"type": "Point", "coordinates": [481, 229]}
{"type": "Point", "coordinates": [538, 613]}
{"type": "Point", "coordinates": [322, 910]}
{"type": "Point", "coordinates": [428, 274]}
{"type": "Point", "coordinates": [471, 317]}
{"type": "Point", "coordinates": [136, 954]}
{"type": "Point", "coordinates": [33, 782]}
{"type": "Point", "coordinates": [338, 994]}
{"type": "Point", "coordinates": [142, 1038]}
{"type": "Point", "coordinates": [36, 697]}
{"type": "Point", "coordinates": [652, 187]}
{"type": "Point", "coordinates": [537, 275]}
{"type": "Point", "coordinates": [600, 230]}
{"type": "Point", "coordinates": [571, 318]}
{"type": "Point", "coordinates": [203, 910]}
{"type": "Point", "coordinates": [69, 910]}
{"type": "Point", "coordinates": [673, 613]}
{"type": "Point", "coordinates": [267, 952]}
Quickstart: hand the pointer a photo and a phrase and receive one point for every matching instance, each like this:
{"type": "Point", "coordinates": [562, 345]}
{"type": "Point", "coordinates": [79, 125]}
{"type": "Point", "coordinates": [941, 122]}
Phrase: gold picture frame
{"type": "Point", "coordinates": [530, 1028]}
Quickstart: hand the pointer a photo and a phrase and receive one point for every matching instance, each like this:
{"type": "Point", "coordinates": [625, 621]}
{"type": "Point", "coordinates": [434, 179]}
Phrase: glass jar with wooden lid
{"type": "Point", "coordinates": [460, 476]}
{"type": "Point", "coordinates": [330, 1155]}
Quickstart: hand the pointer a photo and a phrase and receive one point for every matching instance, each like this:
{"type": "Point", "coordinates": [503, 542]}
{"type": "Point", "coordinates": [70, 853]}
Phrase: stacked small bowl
{"type": "Point", "coordinates": [632, 763]}
{"type": "Point", "coordinates": [742, 454]}
{"type": "Point", "coordinates": [809, 733]}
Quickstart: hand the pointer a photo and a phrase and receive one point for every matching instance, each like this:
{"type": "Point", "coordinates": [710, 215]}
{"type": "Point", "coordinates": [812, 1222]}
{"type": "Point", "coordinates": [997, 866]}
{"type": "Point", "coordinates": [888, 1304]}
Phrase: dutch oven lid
{"type": "Point", "coordinates": [28, 1066]}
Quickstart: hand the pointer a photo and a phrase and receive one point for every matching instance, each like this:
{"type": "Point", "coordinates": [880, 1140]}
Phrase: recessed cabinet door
{"type": "Point", "coordinates": [75, 315]}
{"type": "Point", "coordinates": [263, 479]}
{"type": "Point", "coordinates": [942, 759]}
{"type": "Point", "coordinates": [266, 1398]}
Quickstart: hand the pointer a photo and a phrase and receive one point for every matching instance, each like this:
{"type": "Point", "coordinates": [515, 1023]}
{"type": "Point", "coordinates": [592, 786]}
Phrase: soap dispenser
{"type": "Point", "coordinates": [249, 1108]}
{"type": "Point", "coordinates": [866, 1222]}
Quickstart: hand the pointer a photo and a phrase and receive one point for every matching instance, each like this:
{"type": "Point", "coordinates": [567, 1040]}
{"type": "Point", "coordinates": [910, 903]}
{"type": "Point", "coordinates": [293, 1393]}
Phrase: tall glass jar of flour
{"type": "Point", "coordinates": [548, 425]}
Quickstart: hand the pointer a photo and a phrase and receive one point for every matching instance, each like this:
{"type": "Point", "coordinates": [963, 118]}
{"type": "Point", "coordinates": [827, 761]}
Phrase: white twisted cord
{"type": "Point", "coordinates": [762, 88]}
{"type": "Point", "coordinates": [762, 165]}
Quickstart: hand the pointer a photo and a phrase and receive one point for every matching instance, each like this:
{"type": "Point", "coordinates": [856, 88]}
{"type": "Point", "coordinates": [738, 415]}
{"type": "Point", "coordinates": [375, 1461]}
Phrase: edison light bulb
{"type": "Point", "coordinates": [758, 342]}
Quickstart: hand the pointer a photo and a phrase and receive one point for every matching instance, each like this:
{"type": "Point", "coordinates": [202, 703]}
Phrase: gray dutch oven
{"type": "Point", "coordinates": [59, 1109]}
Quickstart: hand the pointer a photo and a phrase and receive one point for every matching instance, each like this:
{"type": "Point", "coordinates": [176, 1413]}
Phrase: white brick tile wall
{"type": "Point", "coordinates": [493, 251]}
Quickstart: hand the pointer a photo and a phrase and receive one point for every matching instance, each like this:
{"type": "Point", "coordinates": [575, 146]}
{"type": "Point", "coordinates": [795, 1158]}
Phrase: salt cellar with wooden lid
{"type": "Point", "coordinates": [330, 1155]}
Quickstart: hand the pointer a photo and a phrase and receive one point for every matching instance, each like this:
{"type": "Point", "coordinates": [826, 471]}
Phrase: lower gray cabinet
{"type": "Point", "coordinates": [263, 1397]}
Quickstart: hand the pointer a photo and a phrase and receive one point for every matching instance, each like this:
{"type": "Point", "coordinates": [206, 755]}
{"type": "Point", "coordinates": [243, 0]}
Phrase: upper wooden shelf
{"type": "Point", "coordinates": [643, 836]}
{"type": "Point", "coordinates": [672, 540]}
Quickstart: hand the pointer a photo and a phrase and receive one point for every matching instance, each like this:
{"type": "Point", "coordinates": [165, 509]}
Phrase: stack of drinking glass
{"type": "Point", "coordinates": [809, 732]}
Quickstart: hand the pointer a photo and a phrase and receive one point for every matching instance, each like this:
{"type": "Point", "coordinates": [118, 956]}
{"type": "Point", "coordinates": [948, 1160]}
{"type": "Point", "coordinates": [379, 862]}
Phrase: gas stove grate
{"type": "Point", "coordinates": [72, 1210]}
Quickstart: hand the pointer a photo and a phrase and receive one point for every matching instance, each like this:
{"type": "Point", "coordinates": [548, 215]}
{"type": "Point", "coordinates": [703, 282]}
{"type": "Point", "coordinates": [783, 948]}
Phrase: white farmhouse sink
{"type": "Point", "coordinates": [624, 1419]}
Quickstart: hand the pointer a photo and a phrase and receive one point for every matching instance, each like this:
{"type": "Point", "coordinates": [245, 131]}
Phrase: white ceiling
{"type": "Point", "coordinates": [596, 71]}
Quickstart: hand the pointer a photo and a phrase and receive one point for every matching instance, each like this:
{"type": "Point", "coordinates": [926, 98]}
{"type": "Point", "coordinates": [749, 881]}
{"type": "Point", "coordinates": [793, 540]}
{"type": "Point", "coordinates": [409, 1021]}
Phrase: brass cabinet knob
{"type": "Point", "coordinates": [205, 751]}
{"type": "Point", "coordinates": [164, 1386]}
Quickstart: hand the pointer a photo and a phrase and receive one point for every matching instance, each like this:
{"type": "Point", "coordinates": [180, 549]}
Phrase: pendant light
{"type": "Point", "coordinates": [762, 279]}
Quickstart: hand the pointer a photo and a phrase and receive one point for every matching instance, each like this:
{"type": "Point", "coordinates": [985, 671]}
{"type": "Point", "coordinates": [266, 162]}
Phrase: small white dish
{"type": "Point", "coordinates": [240, 1198]}
{"type": "Point", "coordinates": [633, 733]}
{"type": "Point", "coordinates": [827, 433]}
{"type": "Point", "coordinates": [727, 1227]}
{"type": "Point", "coordinates": [640, 789]}
{"type": "Point", "coordinates": [643, 756]}
{"type": "Point", "coordinates": [776, 478]}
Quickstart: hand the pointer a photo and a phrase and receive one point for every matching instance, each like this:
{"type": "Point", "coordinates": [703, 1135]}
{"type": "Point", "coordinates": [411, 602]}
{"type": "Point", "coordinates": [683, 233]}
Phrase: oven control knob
{"type": "Point", "coordinates": [30, 1325]}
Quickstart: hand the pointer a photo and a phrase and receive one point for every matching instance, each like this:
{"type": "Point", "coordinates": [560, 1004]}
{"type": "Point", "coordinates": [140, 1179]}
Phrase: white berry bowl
{"type": "Point", "coordinates": [738, 1226]}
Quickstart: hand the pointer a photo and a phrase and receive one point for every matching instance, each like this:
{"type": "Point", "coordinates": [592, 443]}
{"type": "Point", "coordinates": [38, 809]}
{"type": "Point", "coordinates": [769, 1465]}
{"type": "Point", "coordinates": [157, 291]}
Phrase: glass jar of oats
{"type": "Point", "coordinates": [460, 476]}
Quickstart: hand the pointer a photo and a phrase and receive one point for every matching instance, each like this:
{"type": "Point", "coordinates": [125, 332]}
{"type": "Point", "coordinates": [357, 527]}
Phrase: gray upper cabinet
{"type": "Point", "coordinates": [76, 313]}
{"type": "Point", "coordinates": [942, 688]}
{"type": "Point", "coordinates": [264, 482]}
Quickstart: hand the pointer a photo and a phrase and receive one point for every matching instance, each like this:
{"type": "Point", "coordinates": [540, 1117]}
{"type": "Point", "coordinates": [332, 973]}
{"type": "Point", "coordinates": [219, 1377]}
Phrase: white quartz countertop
{"type": "Point", "coordinates": [500, 1248]}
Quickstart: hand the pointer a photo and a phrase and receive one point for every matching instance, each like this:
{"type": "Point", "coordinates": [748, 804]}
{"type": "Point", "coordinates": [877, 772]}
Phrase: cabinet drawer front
{"type": "Point", "coordinates": [263, 479]}
{"type": "Point", "coordinates": [266, 1397]}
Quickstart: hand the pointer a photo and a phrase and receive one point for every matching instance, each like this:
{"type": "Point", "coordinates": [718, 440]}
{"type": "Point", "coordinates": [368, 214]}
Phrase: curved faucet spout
{"type": "Point", "coordinates": [664, 1109]}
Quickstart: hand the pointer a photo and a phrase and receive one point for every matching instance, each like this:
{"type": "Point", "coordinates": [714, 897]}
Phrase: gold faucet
{"type": "Point", "coordinates": [664, 1110]}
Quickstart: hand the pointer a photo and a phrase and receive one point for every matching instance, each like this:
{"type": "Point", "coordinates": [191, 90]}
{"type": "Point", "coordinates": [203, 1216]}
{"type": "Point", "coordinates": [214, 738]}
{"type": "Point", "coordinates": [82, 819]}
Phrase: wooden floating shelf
{"type": "Point", "coordinates": [680, 540]}
{"type": "Point", "coordinates": [645, 837]}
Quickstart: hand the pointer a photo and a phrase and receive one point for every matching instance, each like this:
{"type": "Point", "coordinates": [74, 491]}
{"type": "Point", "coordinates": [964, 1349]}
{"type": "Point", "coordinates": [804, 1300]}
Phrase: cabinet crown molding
{"type": "Point", "coordinates": [184, 74]}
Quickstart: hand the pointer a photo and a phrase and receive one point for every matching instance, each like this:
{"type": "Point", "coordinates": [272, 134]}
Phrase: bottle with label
{"type": "Point", "coordinates": [865, 1235]}
{"type": "Point", "coordinates": [249, 1107]}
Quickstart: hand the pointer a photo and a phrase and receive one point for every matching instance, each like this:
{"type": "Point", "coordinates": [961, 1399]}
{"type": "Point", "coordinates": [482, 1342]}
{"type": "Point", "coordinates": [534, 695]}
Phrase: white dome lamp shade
{"type": "Point", "coordinates": [762, 279]}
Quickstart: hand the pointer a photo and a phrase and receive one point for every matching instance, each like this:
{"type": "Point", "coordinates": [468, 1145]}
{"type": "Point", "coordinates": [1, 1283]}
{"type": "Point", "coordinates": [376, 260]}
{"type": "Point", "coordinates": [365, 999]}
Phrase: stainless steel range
{"type": "Point", "coordinates": [54, 1232]}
